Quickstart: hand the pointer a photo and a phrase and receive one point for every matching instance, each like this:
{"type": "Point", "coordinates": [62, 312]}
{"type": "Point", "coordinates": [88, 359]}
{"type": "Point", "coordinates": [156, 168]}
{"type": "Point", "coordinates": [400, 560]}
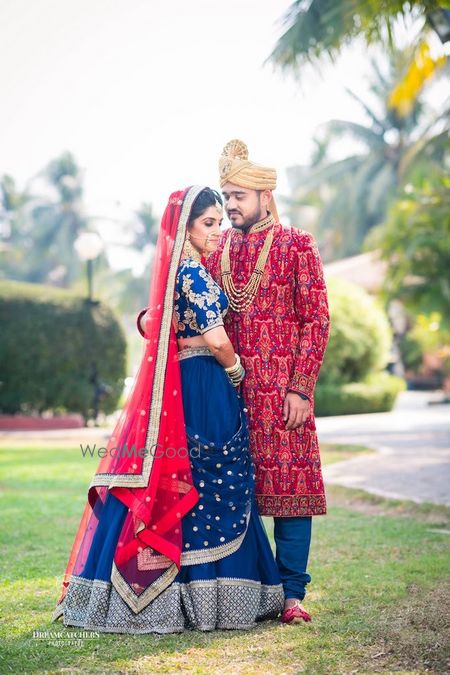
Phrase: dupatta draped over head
{"type": "Point", "coordinates": [146, 464]}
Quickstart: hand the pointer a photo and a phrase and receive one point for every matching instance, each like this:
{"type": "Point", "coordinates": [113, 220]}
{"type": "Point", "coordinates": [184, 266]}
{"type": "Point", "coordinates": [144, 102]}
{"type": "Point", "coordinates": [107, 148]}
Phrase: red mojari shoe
{"type": "Point", "coordinates": [295, 614]}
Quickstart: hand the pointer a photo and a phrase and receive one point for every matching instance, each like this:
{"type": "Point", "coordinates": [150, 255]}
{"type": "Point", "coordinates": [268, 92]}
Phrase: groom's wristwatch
{"type": "Point", "coordinates": [303, 396]}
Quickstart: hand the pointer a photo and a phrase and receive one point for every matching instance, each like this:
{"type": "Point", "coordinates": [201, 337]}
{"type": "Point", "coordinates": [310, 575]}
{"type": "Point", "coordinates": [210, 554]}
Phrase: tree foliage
{"type": "Point", "coordinates": [415, 242]}
{"type": "Point", "coordinates": [389, 148]}
{"type": "Point", "coordinates": [360, 336]}
{"type": "Point", "coordinates": [39, 225]}
{"type": "Point", "coordinates": [318, 28]}
{"type": "Point", "coordinates": [39, 229]}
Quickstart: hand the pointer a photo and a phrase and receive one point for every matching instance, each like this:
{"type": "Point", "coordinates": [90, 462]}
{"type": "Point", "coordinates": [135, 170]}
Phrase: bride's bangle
{"type": "Point", "coordinates": [237, 379]}
{"type": "Point", "coordinates": [236, 373]}
{"type": "Point", "coordinates": [231, 369]}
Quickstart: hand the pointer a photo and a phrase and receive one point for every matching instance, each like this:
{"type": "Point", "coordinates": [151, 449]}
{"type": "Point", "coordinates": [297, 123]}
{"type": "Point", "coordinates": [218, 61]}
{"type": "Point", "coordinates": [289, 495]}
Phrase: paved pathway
{"type": "Point", "coordinates": [412, 442]}
{"type": "Point", "coordinates": [413, 449]}
{"type": "Point", "coordinates": [56, 438]}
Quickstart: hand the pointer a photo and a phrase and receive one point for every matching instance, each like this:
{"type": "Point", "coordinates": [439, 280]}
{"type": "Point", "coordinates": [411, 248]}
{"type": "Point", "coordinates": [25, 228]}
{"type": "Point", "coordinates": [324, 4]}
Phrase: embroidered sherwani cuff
{"type": "Point", "coordinates": [302, 384]}
{"type": "Point", "coordinates": [138, 321]}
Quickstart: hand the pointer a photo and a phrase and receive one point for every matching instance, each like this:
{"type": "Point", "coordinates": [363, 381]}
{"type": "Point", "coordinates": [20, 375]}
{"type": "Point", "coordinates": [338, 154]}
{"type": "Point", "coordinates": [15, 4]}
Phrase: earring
{"type": "Point", "coordinates": [189, 251]}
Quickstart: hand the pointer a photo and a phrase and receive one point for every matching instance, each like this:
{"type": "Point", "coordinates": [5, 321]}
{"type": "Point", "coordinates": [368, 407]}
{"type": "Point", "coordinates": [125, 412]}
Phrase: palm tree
{"type": "Point", "coordinates": [57, 221]}
{"type": "Point", "coordinates": [145, 233]}
{"type": "Point", "coordinates": [321, 28]}
{"type": "Point", "coordinates": [15, 230]}
{"type": "Point", "coordinates": [127, 288]}
{"type": "Point", "coordinates": [361, 185]}
{"type": "Point", "coordinates": [40, 224]}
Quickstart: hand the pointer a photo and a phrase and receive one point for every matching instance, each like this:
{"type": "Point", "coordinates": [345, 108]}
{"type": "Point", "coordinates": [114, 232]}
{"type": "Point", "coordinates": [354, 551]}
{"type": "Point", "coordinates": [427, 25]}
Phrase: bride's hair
{"type": "Point", "coordinates": [206, 198]}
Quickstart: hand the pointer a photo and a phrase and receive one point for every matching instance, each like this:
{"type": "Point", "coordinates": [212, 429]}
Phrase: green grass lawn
{"type": "Point", "coordinates": [378, 597]}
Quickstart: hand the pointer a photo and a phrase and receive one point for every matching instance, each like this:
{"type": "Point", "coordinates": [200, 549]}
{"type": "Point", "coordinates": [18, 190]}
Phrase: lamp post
{"type": "Point", "coordinates": [89, 245]}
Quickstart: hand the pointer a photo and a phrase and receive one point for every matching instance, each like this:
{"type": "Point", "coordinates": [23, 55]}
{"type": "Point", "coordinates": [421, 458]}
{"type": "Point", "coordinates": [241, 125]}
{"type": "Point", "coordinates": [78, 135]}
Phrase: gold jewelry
{"type": "Point", "coordinates": [189, 251]}
{"type": "Point", "coordinates": [236, 381]}
{"type": "Point", "coordinates": [262, 224]}
{"type": "Point", "coordinates": [236, 373]}
{"type": "Point", "coordinates": [240, 299]}
{"type": "Point", "coordinates": [231, 369]}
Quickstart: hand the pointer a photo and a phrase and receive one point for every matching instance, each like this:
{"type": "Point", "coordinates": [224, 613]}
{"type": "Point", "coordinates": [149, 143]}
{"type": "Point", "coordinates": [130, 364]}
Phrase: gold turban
{"type": "Point", "coordinates": [235, 167]}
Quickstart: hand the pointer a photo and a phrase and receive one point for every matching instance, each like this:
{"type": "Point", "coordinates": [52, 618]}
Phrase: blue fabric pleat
{"type": "Point", "coordinates": [216, 424]}
{"type": "Point", "coordinates": [223, 473]}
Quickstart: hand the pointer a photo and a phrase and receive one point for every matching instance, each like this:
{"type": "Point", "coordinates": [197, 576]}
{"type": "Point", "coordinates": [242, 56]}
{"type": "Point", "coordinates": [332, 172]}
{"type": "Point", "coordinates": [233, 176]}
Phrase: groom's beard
{"type": "Point", "coordinates": [246, 223]}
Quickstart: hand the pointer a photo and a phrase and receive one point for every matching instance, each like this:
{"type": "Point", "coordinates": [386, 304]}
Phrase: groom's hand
{"type": "Point", "coordinates": [295, 411]}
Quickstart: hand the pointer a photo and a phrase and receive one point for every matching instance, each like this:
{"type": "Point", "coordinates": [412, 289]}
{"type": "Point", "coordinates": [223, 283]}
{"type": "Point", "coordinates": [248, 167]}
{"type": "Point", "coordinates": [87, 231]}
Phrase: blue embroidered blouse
{"type": "Point", "coordinates": [199, 303]}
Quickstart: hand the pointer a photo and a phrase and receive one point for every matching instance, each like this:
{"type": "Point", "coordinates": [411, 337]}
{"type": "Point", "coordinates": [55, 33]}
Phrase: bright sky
{"type": "Point", "coordinates": [145, 93]}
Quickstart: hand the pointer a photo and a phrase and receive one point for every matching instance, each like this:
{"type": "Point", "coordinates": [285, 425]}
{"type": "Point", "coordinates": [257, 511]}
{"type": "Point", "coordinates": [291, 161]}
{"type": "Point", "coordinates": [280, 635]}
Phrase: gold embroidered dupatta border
{"type": "Point", "coordinates": [138, 602]}
{"type": "Point", "coordinates": [141, 480]}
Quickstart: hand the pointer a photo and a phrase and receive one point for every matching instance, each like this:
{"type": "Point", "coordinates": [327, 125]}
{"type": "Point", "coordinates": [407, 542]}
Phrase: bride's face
{"type": "Point", "coordinates": [205, 230]}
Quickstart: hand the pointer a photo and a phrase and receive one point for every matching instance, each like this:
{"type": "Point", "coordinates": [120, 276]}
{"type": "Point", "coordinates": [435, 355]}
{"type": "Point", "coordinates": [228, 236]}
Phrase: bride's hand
{"type": "Point", "coordinates": [143, 321]}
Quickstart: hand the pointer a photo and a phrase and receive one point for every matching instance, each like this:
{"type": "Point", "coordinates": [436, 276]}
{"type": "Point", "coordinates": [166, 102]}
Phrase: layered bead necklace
{"type": "Point", "coordinates": [240, 299]}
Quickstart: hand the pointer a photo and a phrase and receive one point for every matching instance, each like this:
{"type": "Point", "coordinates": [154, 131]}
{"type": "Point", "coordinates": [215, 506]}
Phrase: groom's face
{"type": "Point", "coordinates": [244, 207]}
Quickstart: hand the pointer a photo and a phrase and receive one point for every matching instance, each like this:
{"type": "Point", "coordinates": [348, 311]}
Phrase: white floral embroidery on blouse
{"type": "Point", "coordinates": [200, 304]}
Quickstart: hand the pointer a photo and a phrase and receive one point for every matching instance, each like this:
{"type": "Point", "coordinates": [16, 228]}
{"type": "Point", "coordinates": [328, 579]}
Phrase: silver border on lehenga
{"type": "Point", "coordinates": [210, 604]}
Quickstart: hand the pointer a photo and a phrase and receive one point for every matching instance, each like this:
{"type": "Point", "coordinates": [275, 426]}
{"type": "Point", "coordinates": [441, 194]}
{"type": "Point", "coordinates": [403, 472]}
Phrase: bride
{"type": "Point", "coordinates": [170, 538]}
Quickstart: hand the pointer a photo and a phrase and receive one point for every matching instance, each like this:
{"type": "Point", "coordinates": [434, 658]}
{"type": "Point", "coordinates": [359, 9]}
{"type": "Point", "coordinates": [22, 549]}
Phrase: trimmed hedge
{"type": "Point", "coordinates": [351, 378]}
{"type": "Point", "coordinates": [376, 394]}
{"type": "Point", "coordinates": [49, 341]}
{"type": "Point", "coordinates": [360, 335]}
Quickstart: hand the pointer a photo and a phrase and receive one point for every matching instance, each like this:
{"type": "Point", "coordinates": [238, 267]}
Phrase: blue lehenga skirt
{"type": "Point", "coordinates": [228, 577]}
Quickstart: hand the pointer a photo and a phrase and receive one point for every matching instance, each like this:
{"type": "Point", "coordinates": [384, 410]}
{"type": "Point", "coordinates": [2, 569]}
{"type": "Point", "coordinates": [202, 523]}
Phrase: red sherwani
{"type": "Point", "coordinates": [281, 339]}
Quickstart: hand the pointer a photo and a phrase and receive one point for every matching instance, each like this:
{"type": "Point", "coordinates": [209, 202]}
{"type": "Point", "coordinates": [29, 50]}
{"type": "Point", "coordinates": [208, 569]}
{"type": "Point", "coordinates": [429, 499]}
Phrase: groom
{"type": "Point", "coordinates": [278, 322]}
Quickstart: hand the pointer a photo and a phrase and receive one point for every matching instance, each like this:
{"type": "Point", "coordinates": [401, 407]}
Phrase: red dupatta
{"type": "Point", "coordinates": [146, 465]}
